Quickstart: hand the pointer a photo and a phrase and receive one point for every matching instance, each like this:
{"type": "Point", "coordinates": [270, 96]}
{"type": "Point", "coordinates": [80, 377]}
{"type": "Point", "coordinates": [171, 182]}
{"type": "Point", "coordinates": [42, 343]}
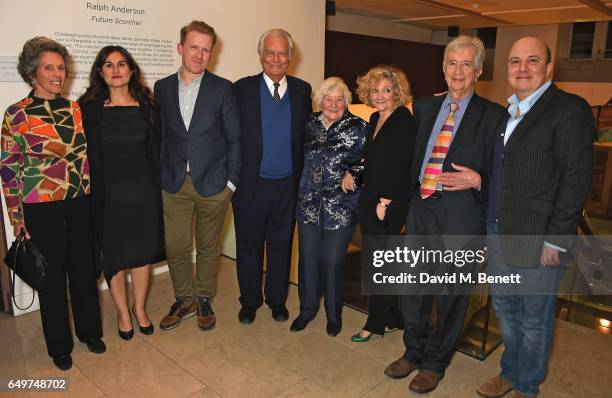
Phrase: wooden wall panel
{"type": "Point", "coordinates": [349, 55]}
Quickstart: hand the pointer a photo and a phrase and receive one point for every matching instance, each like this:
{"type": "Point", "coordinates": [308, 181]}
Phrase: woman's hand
{"type": "Point", "coordinates": [17, 229]}
{"type": "Point", "coordinates": [381, 208]}
{"type": "Point", "coordinates": [348, 183]}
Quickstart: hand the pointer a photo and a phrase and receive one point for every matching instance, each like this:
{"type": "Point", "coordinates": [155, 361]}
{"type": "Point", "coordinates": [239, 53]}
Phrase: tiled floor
{"type": "Point", "coordinates": [266, 360]}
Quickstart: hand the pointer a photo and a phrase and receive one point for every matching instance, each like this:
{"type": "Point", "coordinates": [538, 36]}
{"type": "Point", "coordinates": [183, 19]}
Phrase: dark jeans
{"type": "Point", "coordinates": [321, 269]}
{"type": "Point", "coordinates": [62, 232]}
{"type": "Point", "coordinates": [526, 320]}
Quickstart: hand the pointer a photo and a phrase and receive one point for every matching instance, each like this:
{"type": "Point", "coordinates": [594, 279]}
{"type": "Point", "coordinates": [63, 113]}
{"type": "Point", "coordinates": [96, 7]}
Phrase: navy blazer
{"type": "Point", "coordinates": [472, 146]}
{"type": "Point", "coordinates": [249, 104]}
{"type": "Point", "coordinates": [212, 144]}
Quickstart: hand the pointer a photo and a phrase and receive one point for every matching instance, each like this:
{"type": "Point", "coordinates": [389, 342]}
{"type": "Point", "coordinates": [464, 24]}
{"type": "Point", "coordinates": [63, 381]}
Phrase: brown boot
{"type": "Point", "coordinates": [400, 368]}
{"type": "Point", "coordinates": [206, 316]}
{"type": "Point", "coordinates": [425, 381]}
{"type": "Point", "coordinates": [496, 387]}
{"type": "Point", "coordinates": [178, 312]}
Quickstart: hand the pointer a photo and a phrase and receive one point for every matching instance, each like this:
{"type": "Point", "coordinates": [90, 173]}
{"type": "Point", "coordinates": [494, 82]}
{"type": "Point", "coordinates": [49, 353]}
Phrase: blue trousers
{"type": "Point", "coordinates": [526, 319]}
{"type": "Point", "coordinates": [321, 269]}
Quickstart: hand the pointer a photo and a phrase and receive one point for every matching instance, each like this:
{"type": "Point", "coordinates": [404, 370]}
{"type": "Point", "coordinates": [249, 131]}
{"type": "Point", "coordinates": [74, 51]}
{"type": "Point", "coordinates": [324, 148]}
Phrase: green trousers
{"type": "Point", "coordinates": [185, 212]}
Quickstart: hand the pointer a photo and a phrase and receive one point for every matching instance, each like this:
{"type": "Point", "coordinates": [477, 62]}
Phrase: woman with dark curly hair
{"type": "Point", "coordinates": [45, 181]}
{"type": "Point", "coordinates": [121, 120]}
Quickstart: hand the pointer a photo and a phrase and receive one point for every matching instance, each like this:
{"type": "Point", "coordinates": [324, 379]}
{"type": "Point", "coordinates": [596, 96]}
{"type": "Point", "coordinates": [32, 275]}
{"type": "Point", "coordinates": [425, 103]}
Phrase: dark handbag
{"type": "Point", "coordinates": [28, 263]}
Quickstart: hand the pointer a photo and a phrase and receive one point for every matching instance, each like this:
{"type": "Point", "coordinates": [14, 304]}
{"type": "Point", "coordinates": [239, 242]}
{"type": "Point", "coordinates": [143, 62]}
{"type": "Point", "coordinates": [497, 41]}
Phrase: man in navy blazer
{"type": "Point", "coordinates": [200, 165]}
{"type": "Point", "coordinates": [273, 110]}
{"type": "Point", "coordinates": [455, 205]}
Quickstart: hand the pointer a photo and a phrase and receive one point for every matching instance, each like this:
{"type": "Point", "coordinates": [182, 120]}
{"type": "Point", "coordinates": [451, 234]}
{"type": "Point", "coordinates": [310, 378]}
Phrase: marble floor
{"type": "Point", "coordinates": [266, 360]}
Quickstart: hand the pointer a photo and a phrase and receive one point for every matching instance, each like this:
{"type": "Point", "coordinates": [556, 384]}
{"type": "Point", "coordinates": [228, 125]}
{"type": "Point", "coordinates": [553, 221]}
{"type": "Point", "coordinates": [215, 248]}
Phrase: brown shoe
{"type": "Point", "coordinates": [496, 387]}
{"type": "Point", "coordinates": [519, 395]}
{"type": "Point", "coordinates": [425, 381]}
{"type": "Point", "coordinates": [206, 316]}
{"type": "Point", "coordinates": [400, 368]}
{"type": "Point", "coordinates": [178, 312]}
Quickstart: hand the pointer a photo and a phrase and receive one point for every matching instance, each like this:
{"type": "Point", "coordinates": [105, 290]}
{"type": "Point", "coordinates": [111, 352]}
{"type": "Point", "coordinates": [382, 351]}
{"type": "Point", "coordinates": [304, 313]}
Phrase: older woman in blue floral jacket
{"type": "Point", "coordinates": [327, 211]}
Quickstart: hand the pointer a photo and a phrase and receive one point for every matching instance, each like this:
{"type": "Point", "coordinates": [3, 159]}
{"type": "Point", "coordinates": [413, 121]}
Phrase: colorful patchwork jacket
{"type": "Point", "coordinates": [44, 153]}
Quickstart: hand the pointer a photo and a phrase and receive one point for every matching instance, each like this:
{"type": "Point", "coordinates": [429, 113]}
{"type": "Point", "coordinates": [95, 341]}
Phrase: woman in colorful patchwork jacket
{"type": "Point", "coordinates": [45, 181]}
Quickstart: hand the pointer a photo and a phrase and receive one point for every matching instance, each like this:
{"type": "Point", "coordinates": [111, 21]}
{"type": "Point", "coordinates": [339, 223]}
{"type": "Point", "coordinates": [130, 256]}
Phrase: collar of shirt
{"type": "Point", "coordinates": [463, 102]}
{"type": "Point", "coordinates": [194, 83]}
{"type": "Point", "coordinates": [525, 105]}
{"type": "Point", "coordinates": [282, 88]}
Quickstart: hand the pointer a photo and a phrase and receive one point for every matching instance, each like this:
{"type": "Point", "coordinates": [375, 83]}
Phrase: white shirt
{"type": "Point", "coordinates": [282, 89]}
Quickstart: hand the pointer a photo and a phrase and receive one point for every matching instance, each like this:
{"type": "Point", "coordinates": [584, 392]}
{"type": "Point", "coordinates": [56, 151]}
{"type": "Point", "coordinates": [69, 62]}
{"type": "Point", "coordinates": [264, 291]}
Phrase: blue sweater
{"type": "Point", "coordinates": [276, 161]}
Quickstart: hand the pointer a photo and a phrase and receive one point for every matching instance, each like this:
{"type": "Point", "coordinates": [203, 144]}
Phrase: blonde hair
{"type": "Point", "coordinates": [401, 87]}
{"type": "Point", "coordinates": [330, 84]}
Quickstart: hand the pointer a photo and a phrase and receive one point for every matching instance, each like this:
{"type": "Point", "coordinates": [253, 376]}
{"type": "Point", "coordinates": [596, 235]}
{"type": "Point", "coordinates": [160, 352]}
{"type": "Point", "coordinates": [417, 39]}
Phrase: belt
{"type": "Point", "coordinates": [436, 195]}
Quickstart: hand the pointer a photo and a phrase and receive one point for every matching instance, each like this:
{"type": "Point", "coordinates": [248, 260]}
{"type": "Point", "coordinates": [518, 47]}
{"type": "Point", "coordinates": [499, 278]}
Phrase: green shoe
{"type": "Point", "coordinates": [358, 339]}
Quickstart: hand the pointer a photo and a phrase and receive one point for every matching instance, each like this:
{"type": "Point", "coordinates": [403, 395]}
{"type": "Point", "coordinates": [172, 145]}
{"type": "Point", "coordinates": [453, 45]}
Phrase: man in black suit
{"type": "Point", "coordinates": [273, 110]}
{"type": "Point", "coordinates": [200, 163]}
{"type": "Point", "coordinates": [455, 134]}
{"type": "Point", "coordinates": [540, 179]}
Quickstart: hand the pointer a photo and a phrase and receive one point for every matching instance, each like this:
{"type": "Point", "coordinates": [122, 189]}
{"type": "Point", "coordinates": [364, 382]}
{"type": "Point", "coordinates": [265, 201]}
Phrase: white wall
{"type": "Point", "coordinates": [349, 23]}
{"type": "Point", "coordinates": [239, 23]}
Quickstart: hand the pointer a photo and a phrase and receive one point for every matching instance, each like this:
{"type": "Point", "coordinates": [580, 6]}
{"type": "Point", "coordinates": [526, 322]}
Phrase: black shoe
{"type": "Point", "coordinates": [126, 335]}
{"type": "Point", "coordinates": [63, 362]}
{"type": "Point", "coordinates": [246, 315]}
{"type": "Point", "coordinates": [298, 324]}
{"type": "Point", "coordinates": [96, 344]}
{"type": "Point", "coordinates": [280, 314]}
{"type": "Point", "coordinates": [148, 330]}
{"type": "Point", "coordinates": [333, 329]}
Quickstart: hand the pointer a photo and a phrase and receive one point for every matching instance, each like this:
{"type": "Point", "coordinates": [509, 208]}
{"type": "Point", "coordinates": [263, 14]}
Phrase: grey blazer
{"type": "Point", "coordinates": [212, 143]}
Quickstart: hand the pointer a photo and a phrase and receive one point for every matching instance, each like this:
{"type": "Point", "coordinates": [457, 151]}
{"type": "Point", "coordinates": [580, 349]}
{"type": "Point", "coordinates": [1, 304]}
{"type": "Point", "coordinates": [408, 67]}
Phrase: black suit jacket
{"type": "Point", "coordinates": [388, 160]}
{"type": "Point", "coordinates": [471, 146]}
{"type": "Point", "coordinates": [212, 144]}
{"type": "Point", "coordinates": [92, 117]}
{"type": "Point", "coordinates": [249, 105]}
{"type": "Point", "coordinates": [545, 175]}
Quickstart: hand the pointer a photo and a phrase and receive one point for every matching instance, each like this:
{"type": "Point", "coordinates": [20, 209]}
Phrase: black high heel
{"type": "Point", "coordinates": [125, 335]}
{"type": "Point", "coordinates": [148, 330]}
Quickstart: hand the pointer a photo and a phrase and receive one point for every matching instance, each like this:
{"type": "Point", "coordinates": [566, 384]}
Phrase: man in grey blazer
{"type": "Point", "coordinates": [200, 163]}
{"type": "Point", "coordinates": [539, 181]}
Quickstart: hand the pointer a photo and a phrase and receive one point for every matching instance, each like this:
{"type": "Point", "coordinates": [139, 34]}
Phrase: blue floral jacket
{"type": "Point", "coordinates": [327, 156]}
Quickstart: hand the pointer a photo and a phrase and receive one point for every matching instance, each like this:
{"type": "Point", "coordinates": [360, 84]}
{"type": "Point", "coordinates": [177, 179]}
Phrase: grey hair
{"type": "Point", "coordinates": [32, 51]}
{"type": "Point", "coordinates": [462, 42]}
{"type": "Point", "coordinates": [330, 84]}
{"type": "Point", "coordinates": [278, 32]}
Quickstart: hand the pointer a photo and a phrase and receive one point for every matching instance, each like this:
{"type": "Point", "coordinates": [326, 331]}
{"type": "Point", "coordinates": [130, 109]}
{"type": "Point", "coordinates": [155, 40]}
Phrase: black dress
{"type": "Point", "coordinates": [131, 213]}
{"type": "Point", "coordinates": [388, 161]}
